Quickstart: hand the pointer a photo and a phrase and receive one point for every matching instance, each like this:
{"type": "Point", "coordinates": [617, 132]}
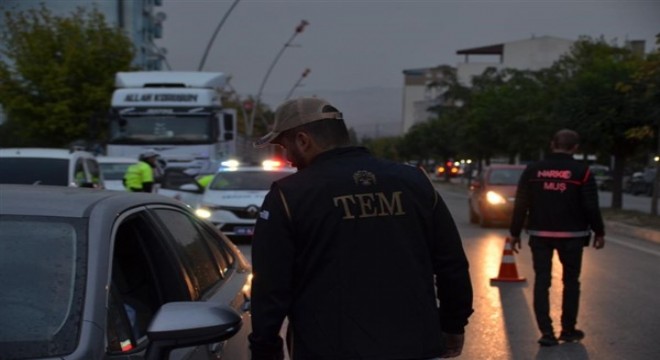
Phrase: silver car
{"type": "Point", "coordinates": [88, 274]}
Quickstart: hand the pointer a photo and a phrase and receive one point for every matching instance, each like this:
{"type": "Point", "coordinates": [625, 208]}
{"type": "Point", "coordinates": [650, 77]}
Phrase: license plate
{"type": "Point", "coordinates": [244, 230]}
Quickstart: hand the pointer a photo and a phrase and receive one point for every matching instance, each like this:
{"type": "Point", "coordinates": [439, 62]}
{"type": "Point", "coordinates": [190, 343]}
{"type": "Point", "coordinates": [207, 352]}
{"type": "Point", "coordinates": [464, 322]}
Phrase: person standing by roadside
{"type": "Point", "coordinates": [558, 198]}
{"type": "Point", "coordinates": [139, 177]}
{"type": "Point", "coordinates": [361, 254]}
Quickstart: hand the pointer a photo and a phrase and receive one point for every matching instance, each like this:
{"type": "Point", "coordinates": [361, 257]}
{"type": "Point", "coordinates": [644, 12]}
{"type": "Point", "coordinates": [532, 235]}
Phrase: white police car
{"type": "Point", "coordinates": [233, 199]}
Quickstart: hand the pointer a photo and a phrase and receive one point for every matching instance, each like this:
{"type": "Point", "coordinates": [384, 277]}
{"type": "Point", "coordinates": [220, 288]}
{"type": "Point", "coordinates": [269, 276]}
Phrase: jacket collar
{"type": "Point", "coordinates": [339, 152]}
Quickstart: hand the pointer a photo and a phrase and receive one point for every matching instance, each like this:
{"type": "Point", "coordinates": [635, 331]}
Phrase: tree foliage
{"type": "Point", "coordinates": [57, 76]}
{"type": "Point", "coordinates": [607, 93]}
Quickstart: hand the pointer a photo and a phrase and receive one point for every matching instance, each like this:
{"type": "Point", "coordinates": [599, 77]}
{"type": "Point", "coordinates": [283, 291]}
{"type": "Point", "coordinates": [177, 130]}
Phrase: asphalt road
{"type": "Point", "coordinates": [618, 306]}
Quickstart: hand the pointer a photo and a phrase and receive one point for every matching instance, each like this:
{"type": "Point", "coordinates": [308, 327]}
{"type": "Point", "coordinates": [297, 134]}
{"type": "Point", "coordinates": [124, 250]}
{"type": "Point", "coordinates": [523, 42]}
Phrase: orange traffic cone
{"type": "Point", "coordinates": [508, 271]}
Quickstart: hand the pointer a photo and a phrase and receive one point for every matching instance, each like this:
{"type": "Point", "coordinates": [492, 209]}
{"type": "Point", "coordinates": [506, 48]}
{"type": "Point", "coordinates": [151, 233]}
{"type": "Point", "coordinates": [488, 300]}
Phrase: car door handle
{"type": "Point", "coordinates": [216, 348]}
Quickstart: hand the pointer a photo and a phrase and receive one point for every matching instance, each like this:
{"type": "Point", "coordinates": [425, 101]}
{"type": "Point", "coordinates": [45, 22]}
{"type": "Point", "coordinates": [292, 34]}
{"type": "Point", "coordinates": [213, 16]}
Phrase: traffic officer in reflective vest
{"type": "Point", "coordinates": [139, 177]}
{"type": "Point", "coordinates": [360, 254]}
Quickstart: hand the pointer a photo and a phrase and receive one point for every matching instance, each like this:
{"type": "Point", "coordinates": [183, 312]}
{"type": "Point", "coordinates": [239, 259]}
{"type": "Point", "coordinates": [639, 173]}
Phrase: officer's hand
{"type": "Point", "coordinates": [453, 345]}
{"type": "Point", "coordinates": [515, 243]}
{"type": "Point", "coordinates": [599, 242]}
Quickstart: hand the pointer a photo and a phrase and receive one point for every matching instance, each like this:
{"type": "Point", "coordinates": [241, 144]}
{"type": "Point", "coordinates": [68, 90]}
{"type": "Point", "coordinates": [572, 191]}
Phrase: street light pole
{"type": "Point", "coordinates": [250, 125]}
{"type": "Point", "coordinates": [215, 33]}
{"type": "Point", "coordinates": [300, 79]}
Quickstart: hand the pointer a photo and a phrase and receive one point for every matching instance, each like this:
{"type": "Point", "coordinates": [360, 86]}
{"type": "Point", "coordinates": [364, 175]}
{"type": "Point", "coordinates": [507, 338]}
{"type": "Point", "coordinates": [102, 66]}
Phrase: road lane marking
{"type": "Point", "coordinates": [631, 246]}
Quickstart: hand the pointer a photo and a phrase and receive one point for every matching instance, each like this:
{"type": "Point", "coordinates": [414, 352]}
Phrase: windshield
{"type": "Point", "coordinates": [246, 180]}
{"type": "Point", "coordinates": [505, 176]}
{"type": "Point", "coordinates": [113, 171]}
{"type": "Point", "coordinates": [42, 266]}
{"type": "Point", "coordinates": [34, 171]}
{"type": "Point", "coordinates": [162, 129]}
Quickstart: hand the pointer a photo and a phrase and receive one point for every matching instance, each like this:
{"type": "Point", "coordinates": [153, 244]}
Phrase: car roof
{"type": "Point", "coordinates": [115, 160]}
{"type": "Point", "coordinates": [52, 153]}
{"type": "Point", "coordinates": [256, 168]}
{"type": "Point", "coordinates": [506, 166]}
{"type": "Point", "coordinates": [44, 200]}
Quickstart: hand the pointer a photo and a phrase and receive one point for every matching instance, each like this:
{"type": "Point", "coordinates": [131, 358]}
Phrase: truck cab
{"type": "Point", "coordinates": [178, 114]}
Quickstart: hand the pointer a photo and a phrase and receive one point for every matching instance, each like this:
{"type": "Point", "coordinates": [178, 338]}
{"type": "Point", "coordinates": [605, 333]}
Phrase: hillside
{"type": "Point", "coordinates": [371, 112]}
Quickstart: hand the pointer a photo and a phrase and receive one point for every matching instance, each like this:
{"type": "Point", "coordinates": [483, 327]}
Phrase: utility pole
{"type": "Point", "coordinates": [297, 84]}
{"type": "Point", "coordinates": [215, 33]}
{"type": "Point", "coordinates": [298, 30]}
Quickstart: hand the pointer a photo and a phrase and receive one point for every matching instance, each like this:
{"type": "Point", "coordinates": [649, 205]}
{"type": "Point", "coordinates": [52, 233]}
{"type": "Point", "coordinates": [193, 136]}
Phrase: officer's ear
{"type": "Point", "coordinates": [303, 140]}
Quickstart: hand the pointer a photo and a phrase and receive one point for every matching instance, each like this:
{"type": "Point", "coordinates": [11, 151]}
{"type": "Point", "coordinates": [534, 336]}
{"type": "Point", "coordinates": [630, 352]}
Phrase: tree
{"type": "Point", "coordinates": [57, 76]}
{"type": "Point", "coordinates": [645, 85]}
{"type": "Point", "coordinates": [591, 101]}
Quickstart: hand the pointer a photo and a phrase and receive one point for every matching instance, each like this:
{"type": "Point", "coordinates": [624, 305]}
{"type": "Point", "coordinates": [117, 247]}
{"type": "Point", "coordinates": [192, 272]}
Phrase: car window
{"type": "Point", "coordinates": [194, 250]}
{"type": "Point", "coordinates": [42, 262]}
{"type": "Point", "coordinates": [34, 171]}
{"type": "Point", "coordinates": [94, 171]}
{"type": "Point", "coordinates": [246, 180]}
{"type": "Point", "coordinates": [80, 177]}
{"type": "Point", "coordinates": [224, 257]}
{"type": "Point", "coordinates": [144, 277]}
{"type": "Point", "coordinates": [114, 171]}
{"type": "Point", "coordinates": [505, 176]}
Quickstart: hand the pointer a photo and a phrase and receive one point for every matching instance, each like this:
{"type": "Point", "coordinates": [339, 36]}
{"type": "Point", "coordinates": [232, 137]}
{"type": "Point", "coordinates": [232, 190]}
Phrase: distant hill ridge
{"type": "Point", "coordinates": [371, 111]}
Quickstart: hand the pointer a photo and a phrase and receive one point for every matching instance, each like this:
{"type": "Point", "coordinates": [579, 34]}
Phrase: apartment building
{"type": "Point", "coordinates": [527, 54]}
{"type": "Point", "coordinates": [140, 20]}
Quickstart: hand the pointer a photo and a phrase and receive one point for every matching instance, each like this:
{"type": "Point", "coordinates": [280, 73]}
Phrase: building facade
{"type": "Point", "coordinates": [420, 94]}
{"type": "Point", "coordinates": [529, 54]}
{"type": "Point", "coordinates": [140, 20]}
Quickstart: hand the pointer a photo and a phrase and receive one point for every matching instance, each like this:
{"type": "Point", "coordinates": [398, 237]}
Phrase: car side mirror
{"type": "Point", "coordinates": [189, 323]}
{"type": "Point", "coordinates": [194, 188]}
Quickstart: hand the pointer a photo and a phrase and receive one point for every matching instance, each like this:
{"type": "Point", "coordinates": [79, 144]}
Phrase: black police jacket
{"type": "Point", "coordinates": [559, 198]}
{"type": "Point", "coordinates": [348, 249]}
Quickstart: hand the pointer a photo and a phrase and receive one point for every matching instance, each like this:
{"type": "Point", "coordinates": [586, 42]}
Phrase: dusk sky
{"type": "Point", "coordinates": [351, 44]}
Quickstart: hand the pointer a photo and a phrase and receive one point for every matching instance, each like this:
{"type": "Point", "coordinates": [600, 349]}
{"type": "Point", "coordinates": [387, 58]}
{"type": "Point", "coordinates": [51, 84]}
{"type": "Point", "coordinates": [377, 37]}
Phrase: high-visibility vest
{"type": "Point", "coordinates": [137, 174]}
{"type": "Point", "coordinates": [205, 180]}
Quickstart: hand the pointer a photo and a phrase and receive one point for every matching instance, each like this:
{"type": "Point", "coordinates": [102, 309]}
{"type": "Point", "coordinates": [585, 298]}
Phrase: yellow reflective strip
{"type": "Point", "coordinates": [286, 206]}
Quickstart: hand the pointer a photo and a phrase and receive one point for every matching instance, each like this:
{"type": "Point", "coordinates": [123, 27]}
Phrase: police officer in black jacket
{"type": "Point", "coordinates": [360, 254]}
{"type": "Point", "coordinates": [559, 199]}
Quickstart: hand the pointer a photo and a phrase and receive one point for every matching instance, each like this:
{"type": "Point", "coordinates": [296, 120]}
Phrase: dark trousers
{"type": "Point", "coordinates": [570, 256]}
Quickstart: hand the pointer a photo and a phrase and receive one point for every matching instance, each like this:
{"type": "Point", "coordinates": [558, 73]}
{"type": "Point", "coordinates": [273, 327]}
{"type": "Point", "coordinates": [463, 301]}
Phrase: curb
{"type": "Point", "coordinates": [632, 231]}
{"type": "Point", "coordinates": [610, 226]}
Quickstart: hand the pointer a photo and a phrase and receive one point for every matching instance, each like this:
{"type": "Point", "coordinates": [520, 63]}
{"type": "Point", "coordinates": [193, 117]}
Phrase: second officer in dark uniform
{"type": "Point", "coordinates": [360, 254]}
{"type": "Point", "coordinates": [558, 199]}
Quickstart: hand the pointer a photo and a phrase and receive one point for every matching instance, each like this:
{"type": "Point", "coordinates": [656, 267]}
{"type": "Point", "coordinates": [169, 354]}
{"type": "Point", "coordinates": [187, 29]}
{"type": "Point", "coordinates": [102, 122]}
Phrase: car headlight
{"type": "Point", "coordinates": [494, 198]}
{"type": "Point", "coordinates": [203, 213]}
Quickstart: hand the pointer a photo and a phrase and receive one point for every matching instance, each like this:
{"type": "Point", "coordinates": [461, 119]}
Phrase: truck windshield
{"type": "Point", "coordinates": [163, 129]}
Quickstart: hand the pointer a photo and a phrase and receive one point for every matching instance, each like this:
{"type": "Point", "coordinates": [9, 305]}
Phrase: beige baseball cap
{"type": "Point", "coordinates": [293, 113]}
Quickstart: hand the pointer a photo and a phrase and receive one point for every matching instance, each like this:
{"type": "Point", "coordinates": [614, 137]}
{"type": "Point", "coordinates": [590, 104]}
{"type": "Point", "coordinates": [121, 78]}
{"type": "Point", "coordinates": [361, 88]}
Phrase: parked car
{"type": "Point", "coordinates": [113, 169]}
{"type": "Point", "coordinates": [641, 183]}
{"type": "Point", "coordinates": [492, 194]}
{"type": "Point", "coordinates": [602, 175]}
{"type": "Point", "coordinates": [45, 166]}
{"type": "Point", "coordinates": [89, 274]}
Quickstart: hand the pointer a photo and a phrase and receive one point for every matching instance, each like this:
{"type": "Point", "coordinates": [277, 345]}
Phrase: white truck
{"type": "Point", "coordinates": [178, 114]}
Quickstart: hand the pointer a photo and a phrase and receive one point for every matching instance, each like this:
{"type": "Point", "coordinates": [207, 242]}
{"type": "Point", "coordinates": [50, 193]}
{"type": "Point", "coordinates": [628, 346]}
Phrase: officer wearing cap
{"type": "Point", "coordinates": [139, 177]}
{"type": "Point", "coordinates": [360, 254]}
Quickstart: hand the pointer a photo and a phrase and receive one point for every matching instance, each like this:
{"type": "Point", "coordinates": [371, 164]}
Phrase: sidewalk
{"type": "Point", "coordinates": [633, 231]}
{"type": "Point", "coordinates": [611, 227]}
